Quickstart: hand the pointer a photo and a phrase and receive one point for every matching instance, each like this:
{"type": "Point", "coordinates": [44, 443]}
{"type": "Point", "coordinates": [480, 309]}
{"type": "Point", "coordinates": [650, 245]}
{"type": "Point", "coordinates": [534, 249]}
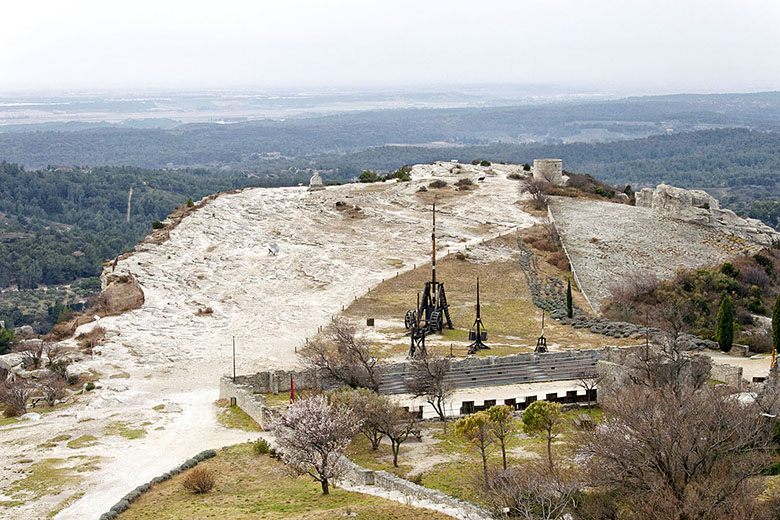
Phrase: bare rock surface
{"type": "Point", "coordinates": [609, 242]}
{"type": "Point", "coordinates": [698, 207]}
{"type": "Point", "coordinates": [211, 278]}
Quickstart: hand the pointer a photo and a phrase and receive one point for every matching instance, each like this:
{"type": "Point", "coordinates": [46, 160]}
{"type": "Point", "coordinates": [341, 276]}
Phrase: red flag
{"type": "Point", "coordinates": [773, 359]}
{"type": "Point", "coordinates": [292, 390]}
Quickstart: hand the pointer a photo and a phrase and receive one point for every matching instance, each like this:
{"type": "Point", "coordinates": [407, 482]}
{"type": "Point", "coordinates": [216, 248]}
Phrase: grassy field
{"type": "Point", "coordinates": [235, 417]}
{"type": "Point", "coordinates": [512, 320]}
{"type": "Point", "coordinates": [444, 462]}
{"type": "Point", "coordinates": [250, 486]}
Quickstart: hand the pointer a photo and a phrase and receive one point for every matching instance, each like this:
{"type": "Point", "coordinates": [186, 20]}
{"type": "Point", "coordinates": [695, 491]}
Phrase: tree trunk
{"type": "Point", "coordinates": [484, 462]}
{"type": "Point", "coordinates": [503, 452]}
{"type": "Point", "coordinates": [396, 448]}
{"type": "Point", "coordinates": [549, 453]}
{"type": "Point", "coordinates": [324, 483]}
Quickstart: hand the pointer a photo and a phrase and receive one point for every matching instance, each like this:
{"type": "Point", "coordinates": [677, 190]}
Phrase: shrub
{"type": "Point", "coordinates": [514, 176]}
{"type": "Point", "coordinates": [368, 176]}
{"type": "Point", "coordinates": [526, 167]}
{"type": "Point", "coordinates": [464, 183]}
{"type": "Point", "coordinates": [422, 188]}
{"type": "Point", "coordinates": [199, 480]}
{"type": "Point", "coordinates": [484, 163]}
{"type": "Point", "coordinates": [157, 225]}
{"type": "Point", "coordinates": [261, 447]}
{"type": "Point", "coordinates": [559, 260]}
{"type": "Point", "coordinates": [729, 270]}
{"type": "Point", "coordinates": [14, 395]}
{"type": "Point", "coordinates": [438, 183]}
{"type": "Point", "coordinates": [89, 386]}
{"type": "Point", "coordinates": [190, 203]}
{"type": "Point", "coordinates": [460, 255]}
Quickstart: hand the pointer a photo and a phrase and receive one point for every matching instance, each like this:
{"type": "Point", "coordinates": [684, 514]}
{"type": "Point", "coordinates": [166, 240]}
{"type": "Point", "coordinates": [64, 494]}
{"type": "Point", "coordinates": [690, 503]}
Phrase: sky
{"type": "Point", "coordinates": [657, 46]}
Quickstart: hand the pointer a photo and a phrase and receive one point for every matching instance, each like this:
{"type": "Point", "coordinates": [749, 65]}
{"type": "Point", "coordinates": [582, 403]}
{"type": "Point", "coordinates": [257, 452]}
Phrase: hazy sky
{"type": "Point", "coordinates": [628, 45]}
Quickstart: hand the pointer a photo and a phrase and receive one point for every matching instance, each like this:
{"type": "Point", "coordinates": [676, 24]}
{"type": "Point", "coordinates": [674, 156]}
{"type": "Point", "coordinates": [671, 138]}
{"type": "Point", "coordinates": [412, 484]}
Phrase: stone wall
{"type": "Point", "coordinates": [252, 403]}
{"type": "Point", "coordinates": [391, 483]}
{"type": "Point", "coordinates": [729, 374]}
{"type": "Point", "coordinates": [275, 381]}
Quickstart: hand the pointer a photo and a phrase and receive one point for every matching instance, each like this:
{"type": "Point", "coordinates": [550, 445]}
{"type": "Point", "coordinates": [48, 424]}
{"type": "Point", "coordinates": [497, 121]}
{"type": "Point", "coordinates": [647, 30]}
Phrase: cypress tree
{"type": "Point", "coordinates": [724, 324]}
{"type": "Point", "coordinates": [569, 304]}
{"type": "Point", "coordinates": [776, 324]}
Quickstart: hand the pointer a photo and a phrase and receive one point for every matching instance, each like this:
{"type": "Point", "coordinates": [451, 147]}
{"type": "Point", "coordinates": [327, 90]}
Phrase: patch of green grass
{"type": "Point", "coordinates": [51, 443]}
{"type": "Point", "coordinates": [8, 420]}
{"type": "Point", "coordinates": [82, 442]}
{"type": "Point", "coordinates": [249, 486]}
{"type": "Point", "coordinates": [159, 407]}
{"type": "Point", "coordinates": [235, 417]}
{"type": "Point", "coordinates": [125, 430]}
{"type": "Point", "coordinates": [65, 503]}
{"type": "Point", "coordinates": [45, 477]}
{"type": "Point", "coordinates": [11, 503]}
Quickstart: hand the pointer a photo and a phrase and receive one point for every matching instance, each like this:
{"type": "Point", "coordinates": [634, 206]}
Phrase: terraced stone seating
{"type": "Point", "coordinates": [493, 371]}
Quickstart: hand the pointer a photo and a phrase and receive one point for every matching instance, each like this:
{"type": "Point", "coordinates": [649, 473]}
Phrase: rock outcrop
{"type": "Point", "coordinates": [120, 293]}
{"type": "Point", "coordinates": [699, 207]}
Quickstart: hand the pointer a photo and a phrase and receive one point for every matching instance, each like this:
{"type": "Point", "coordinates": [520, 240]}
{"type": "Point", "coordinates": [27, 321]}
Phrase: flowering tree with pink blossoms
{"type": "Point", "coordinates": [313, 434]}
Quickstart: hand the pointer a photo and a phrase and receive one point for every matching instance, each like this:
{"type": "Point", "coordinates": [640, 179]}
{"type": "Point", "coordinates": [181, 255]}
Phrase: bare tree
{"type": "Point", "coordinates": [679, 456]}
{"type": "Point", "coordinates": [589, 383]}
{"type": "Point", "coordinates": [32, 353]}
{"type": "Point", "coordinates": [530, 492]}
{"type": "Point", "coordinates": [537, 190]}
{"type": "Point", "coordinates": [397, 424]}
{"type": "Point", "coordinates": [369, 406]}
{"type": "Point", "coordinates": [312, 435]}
{"type": "Point", "coordinates": [429, 380]}
{"type": "Point", "coordinates": [626, 295]}
{"type": "Point", "coordinates": [344, 357]}
{"type": "Point", "coordinates": [52, 351]}
{"type": "Point", "coordinates": [14, 394]}
{"type": "Point", "coordinates": [53, 388]}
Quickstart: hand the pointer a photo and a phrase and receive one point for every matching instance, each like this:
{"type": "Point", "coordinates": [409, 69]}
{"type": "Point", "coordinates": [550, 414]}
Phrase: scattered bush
{"type": "Point", "coordinates": [460, 255]}
{"type": "Point", "coordinates": [157, 225]}
{"type": "Point", "coordinates": [515, 176]}
{"type": "Point", "coordinates": [89, 386]}
{"type": "Point", "coordinates": [484, 163]}
{"type": "Point", "coordinates": [190, 203]}
{"type": "Point", "coordinates": [559, 260]}
{"type": "Point", "coordinates": [464, 184]}
{"type": "Point", "coordinates": [204, 312]}
{"type": "Point", "coordinates": [526, 167]}
{"type": "Point", "coordinates": [199, 480]}
{"type": "Point", "coordinates": [261, 447]}
{"type": "Point", "coordinates": [14, 395]}
{"type": "Point", "coordinates": [729, 270]}
{"type": "Point", "coordinates": [422, 189]}
{"type": "Point", "coordinates": [438, 183]}
{"type": "Point", "coordinates": [368, 176]}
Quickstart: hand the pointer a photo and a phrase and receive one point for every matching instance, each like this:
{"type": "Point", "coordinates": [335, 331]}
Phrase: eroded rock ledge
{"type": "Point", "coordinates": [699, 207]}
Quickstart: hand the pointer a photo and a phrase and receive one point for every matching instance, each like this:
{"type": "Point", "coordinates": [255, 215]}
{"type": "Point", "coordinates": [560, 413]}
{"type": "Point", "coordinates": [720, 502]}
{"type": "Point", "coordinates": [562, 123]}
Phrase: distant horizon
{"type": "Point", "coordinates": [635, 48]}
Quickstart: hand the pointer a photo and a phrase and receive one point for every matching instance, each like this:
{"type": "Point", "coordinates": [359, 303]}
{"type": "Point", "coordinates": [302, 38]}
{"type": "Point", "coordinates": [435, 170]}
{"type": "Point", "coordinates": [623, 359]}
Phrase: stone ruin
{"type": "Point", "coordinates": [699, 207]}
{"type": "Point", "coordinates": [315, 183]}
{"type": "Point", "coordinates": [549, 170]}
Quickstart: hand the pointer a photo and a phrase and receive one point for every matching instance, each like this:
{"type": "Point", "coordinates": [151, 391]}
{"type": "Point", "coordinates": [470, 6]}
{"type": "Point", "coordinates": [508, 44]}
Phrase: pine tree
{"type": "Point", "coordinates": [569, 303]}
{"type": "Point", "coordinates": [724, 324]}
{"type": "Point", "coordinates": [776, 324]}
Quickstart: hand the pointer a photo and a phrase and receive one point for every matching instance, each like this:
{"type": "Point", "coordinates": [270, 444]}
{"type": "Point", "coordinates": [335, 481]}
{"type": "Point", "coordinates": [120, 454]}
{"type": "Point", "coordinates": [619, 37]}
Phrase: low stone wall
{"type": "Point", "coordinates": [392, 483]}
{"type": "Point", "coordinates": [252, 403]}
{"type": "Point", "coordinates": [275, 381]}
{"type": "Point", "coordinates": [729, 374]}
